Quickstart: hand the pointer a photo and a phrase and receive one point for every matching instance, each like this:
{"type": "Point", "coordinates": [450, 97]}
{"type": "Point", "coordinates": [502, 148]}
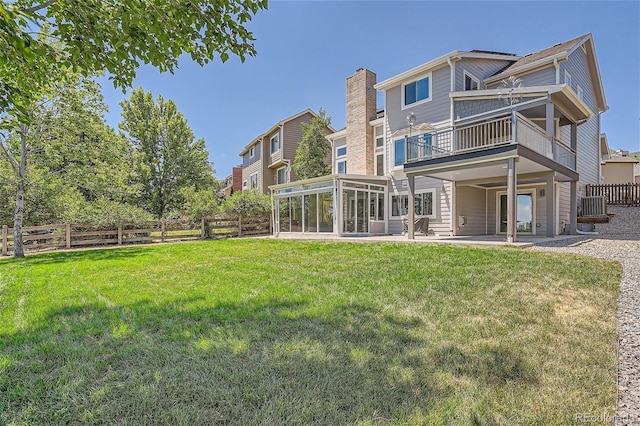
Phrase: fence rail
{"type": "Point", "coordinates": [66, 236]}
{"type": "Point", "coordinates": [627, 194]}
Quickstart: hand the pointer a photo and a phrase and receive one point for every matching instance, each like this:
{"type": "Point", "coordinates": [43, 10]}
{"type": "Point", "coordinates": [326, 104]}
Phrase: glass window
{"type": "Point", "coordinates": [311, 213]}
{"type": "Point", "coordinates": [325, 219]}
{"type": "Point", "coordinates": [244, 184]}
{"type": "Point", "coordinates": [380, 164]}
{"type": "Point", "coordinates": [284, 214]}
{"type": "Point", "coordinates": [579, 92]}
{"type": "Point", "coordinates": [341, 151]}
{"type": "Point", "coordinates": [380, 142]}
{"type": "Point", "coordinates": [423, 204]}
{"type": "Point", "coordinates": [399, 205]}
{"type": "Point", "coordinates": [252, 152]}
{"type": "Point", "coordinates": [254, 181]}
{"type": "Point", "coordinates": [470, 82]}
{"type": "Point", "coordinates": [399, 152]}
{"type": "Point", "coordinates": [416, 91]}
{"type": "Point", "coordinates": [567, 78]}
{"type": "Point", "coordinates": [275, 143]}
{"type": "Point", "coordinates": [281, 175]}
{"type": "Point", "coordinates": [342, 167]}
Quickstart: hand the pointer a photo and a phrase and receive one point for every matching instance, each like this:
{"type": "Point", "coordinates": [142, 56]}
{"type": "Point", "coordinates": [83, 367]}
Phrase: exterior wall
{"type": "Point", "coordinates": [467, 108]}
{"type": "Point", "coordinates": [361, 108]}
{"type": "Point", "coordinates": [440, 223]}
{"type": "Point", "coordinates": [540, 77]}
{"type": "Point", "coordinates": [334, 161]}
{"type": "Point", "coordinates": [434, 111]}
{"type": "Point", "coordinates": [618, 172]}
{"type": "Point", "coordinates": [236, 179]}
{"type": "Point", "coordinates": [252, 165]}
{"type": "Point", "coordinates": [276, 156]}
{"type": "Point", "coordinates": [479, 68]}
{"type": "Point", "coordinates": [540, 219]}
{"type": "Point", "coordinates": [471, 203]}
{"type": "Point", "coordinates": [291, 136]}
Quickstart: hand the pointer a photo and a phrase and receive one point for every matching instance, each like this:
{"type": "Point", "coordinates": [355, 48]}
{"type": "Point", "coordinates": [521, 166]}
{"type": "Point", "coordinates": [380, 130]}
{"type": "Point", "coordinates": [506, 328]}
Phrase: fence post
{"type": "Point", "coordinates": [5, 249]}
{"type": "Point", "coordinates": [68, 235]}
{"type": "Point", "coordinates": [202, 233]}
{"type": "Point", "coordinates": [239, 226]}
{"type": "Point", "coordinates": [588, 190]}
{"type": "Point", "coordinates": [163, 230]}
{"type": "Point", "coordinates": [120, 233]}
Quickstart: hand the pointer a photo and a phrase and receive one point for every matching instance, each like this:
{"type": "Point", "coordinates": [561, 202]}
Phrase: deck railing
{"type": "Point", "coordinates": [625, 194]}
{"type": "Point", "coordinates": [494, 132]}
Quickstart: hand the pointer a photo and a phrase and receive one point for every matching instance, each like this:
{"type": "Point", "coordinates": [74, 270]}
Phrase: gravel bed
{"type": "Point", "coordinates": [624, 248]}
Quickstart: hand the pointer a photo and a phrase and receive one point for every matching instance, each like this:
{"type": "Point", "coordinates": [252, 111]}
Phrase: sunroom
{"type": "Point", "coordinates": [339, 204]}
{"type": "Point", "coordinates": [513, 166]}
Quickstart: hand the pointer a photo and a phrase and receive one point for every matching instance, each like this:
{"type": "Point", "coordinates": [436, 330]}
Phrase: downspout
{"type": "Point", "coordinates": [273, 215]}
{"type": "Point", "coordinates": [452, 86]}
{"type": "Point", "coordinates": [555, 64]}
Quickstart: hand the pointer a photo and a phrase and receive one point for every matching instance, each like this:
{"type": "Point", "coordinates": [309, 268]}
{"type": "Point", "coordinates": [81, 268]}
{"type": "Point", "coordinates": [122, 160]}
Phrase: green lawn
{"type": "Point", "coordinates": [286, 332]}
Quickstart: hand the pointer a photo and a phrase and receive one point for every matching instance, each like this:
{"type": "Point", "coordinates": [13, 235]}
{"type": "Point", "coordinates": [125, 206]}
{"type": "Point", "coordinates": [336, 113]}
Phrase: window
{"type": "Point", "coordinates": [275, 143]}
{"type": "Point", "coordinates": [423, 204]}
{"type": "Point", "coordinates": [341, 151]}
{"type": "Point", "coordinates": [281, 175]}
{"type": "Point", "coordinates": [579, 92]}
{"type": "Point", "coordinates": [252, 152]}
{"type": "Point", "coordinates": [567, 78]}
{"type": "Point", "coordinates": [380, 142]}
{"type": "Point", "coordinates": [470, 82]}
{"type": "Point", "coordinates": [380, 164]}
{"type": "Point", "coordinates": [378, 148]}
{"type": "Point", "coordinates": [417, 91]}
{"type": "Point", "coordinates": [244, 185]}
{"type": "Point", "coordinates": [398, 152]}
{"type": "Point", "coordinates": [342, 167]}
{"type": "Point", "coordinates": [254, 181]}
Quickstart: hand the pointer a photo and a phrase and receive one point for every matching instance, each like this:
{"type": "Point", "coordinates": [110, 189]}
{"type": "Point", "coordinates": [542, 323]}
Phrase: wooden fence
{"type": "Point", "coordinates": [626, 194]}
{"type": "Point", "coordinates": [66, 236]}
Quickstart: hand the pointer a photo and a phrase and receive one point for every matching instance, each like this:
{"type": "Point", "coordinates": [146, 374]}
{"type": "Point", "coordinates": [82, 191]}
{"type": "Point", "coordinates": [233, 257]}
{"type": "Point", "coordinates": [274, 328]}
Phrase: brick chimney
{"type": "Point", "coordinates": [361, 108]}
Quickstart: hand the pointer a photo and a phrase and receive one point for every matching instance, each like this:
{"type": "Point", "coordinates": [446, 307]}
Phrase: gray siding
{"type": "Point", "coordinates": [253, 165]}
{"type": "Point", "coordinates": [276, 156]}
{"type": "Point", "coordinates": [471, 203]}
{"type": "Point", "coordinates": [588, 150]}
{"type": "Point", "coordinates": [479, 68]}
{"type": "Point", "coordinates": [433, 111]}
{"type": "Point", "coordinates": [291, 136]}
{"type": "Point", "coordinates": [540, 219]}
{"type": "Point", "coordinates": [467, 108]}
{"type": "Point", "coordinates": [541, 77]}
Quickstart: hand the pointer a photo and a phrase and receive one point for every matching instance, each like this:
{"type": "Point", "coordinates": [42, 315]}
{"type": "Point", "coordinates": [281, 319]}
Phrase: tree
{"type": "Point", "coordinates": [39, 39]}
{"type": "Point", "coordinates": [246, 203]}
{"type": "Point", "coordinates": [313, 148]}
{"type": "Point", "coordinates": [166, 157]}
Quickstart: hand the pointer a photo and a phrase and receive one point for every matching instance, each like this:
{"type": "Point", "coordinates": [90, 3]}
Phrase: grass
{"type": "Point", "coordinates": [285, 332]}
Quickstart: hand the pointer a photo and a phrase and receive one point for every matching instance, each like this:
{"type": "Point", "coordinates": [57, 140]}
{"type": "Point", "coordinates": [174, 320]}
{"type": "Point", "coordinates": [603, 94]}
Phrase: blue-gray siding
{"type": "Point", "coordinates": [541, 77]}
{"type": "Point", "coordinates": [479, 68]}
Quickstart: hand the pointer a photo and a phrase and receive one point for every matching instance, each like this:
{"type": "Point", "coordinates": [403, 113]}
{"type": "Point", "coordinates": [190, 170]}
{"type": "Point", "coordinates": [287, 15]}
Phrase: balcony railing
{"type": "Point", "coordinates": [489, 134]}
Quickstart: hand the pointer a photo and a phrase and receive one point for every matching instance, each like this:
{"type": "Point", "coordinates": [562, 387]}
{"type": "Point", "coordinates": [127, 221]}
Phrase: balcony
{"type": "Point", "coordinates": [500, 131]}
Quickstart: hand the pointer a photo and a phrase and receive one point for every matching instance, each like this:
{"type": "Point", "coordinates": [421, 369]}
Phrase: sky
{"type": "Point", "coordinates": [307, 49]}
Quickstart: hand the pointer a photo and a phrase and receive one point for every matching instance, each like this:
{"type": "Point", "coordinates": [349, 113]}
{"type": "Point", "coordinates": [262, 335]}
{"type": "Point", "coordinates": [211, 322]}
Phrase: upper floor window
{"type": "Point", "coordinates": [470, 82]}
{"type": "Point", "coordinates": [244, 184]}
{"type": "Point", "coordinates": [379, 151]}
{"type": "Point", "coordinates": [342, 167]}
{"type": "Point", "coordinates": [416, 91]}
{"type": "Point", "coordinates": [567, 78]}
{"type": "Point", "coordinates": [341, 151]}
{"type": "Point", "coordinates": [254, 181]}
{"type": "Point", "coordinates": [275, 143]}
{"type": "Point", "coordinates": [252, 152]}
{"type": "Point", "coordinates": [580, 92]}
{"type": "Point", "coordinates": [399, 152]}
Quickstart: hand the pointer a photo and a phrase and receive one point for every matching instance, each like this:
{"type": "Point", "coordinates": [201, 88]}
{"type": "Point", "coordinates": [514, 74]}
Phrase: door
{"type": "Point", "coordinates": [525, 208]}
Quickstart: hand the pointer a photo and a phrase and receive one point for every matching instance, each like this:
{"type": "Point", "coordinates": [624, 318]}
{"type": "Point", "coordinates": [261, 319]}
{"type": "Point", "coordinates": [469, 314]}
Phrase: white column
{"type": "Point", "coordinates": [551, 207]}
{"type": "Point", "coordinates": [512, 201]}
{"type": "Point", "coordinates": [411, 203]}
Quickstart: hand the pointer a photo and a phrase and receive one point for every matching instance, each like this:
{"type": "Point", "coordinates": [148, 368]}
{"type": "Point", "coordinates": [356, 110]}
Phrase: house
{"type": "Point", "coordinates": [483, 142]}
{"type": "Point", "coordinates": [619, 168]}
{"type": "Point", "coordinates": [267, 159]}
{"type": "Point", "coordinates": [233, 182]}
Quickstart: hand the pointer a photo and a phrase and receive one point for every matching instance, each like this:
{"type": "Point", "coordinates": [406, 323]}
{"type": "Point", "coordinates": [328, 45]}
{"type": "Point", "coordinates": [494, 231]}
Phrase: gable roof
{"type": "Point", "coordinates": [275, 127]}
{"type": "Point", "coordinates": [546, 57]}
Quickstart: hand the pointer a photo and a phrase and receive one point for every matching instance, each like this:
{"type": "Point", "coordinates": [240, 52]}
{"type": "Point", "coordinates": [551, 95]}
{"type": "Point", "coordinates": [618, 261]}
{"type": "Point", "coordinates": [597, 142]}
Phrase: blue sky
{"type": "Point", "coordinates": [307, 49]}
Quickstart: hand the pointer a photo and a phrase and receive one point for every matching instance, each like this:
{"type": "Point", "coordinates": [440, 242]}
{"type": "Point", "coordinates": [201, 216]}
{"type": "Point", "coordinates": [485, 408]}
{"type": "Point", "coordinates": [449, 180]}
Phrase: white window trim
{"type": "Point", "coordinates": [276, 136]}
{"type": "Point", "coordinates": [393, 156]}
{"type": "Point", "coordinates": [533, 193]}
{"type": "Point", "coordinates": [340, 158]}
{"type": "Point", "coordinates": [579, 92]}
{"type": "Point", "coordinates": [377, 150]}
{"type": "Point", "coordinates": [285, 174]}
{"type": "Point", "coordinates": [245, 184]}
{"type": "Point", "coordinates": [567, 76]}
{"type": "Point", "coordinates": [251, 178]}
{"type": "Point", "coordinates": [252, 152]}
{"type": "Point", "coordinates": [472, 77]}
{"type": "Point", "coordinates": [419, 192]}
{"type": "Point", "coordinates": [420, 102]}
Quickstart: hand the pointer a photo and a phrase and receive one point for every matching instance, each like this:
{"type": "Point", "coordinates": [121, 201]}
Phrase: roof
{"type": "Point", "coordinates": [441, 61]}
{"type": "Point", "coordinates": [621, 159]}
{"type": "Point", "coordinates": [275, 127]}
{"type": "Point", "coordinates": [544, 54]}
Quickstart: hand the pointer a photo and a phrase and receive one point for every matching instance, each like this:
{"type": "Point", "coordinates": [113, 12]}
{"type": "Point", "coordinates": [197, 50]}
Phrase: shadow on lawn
{"type": "Point", "coordinates": [90, 254]}
{"type": "Point", "coordinates": [275, 362]}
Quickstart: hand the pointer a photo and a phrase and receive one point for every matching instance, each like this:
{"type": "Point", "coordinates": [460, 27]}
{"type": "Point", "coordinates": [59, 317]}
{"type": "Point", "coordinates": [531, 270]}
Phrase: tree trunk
{"type": "Point", "coordinates": [18, 248]}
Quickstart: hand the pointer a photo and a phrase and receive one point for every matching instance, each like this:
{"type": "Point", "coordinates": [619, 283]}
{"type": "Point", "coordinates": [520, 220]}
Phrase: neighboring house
{"type": "Point", "coordinates": [233, 182]}
{"type": "Point", "coordinates": [619, 168]}
{"type": "Point", "coordinates": [477, 154]}
{"type": "Point", "coordinates": [267, 159]}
